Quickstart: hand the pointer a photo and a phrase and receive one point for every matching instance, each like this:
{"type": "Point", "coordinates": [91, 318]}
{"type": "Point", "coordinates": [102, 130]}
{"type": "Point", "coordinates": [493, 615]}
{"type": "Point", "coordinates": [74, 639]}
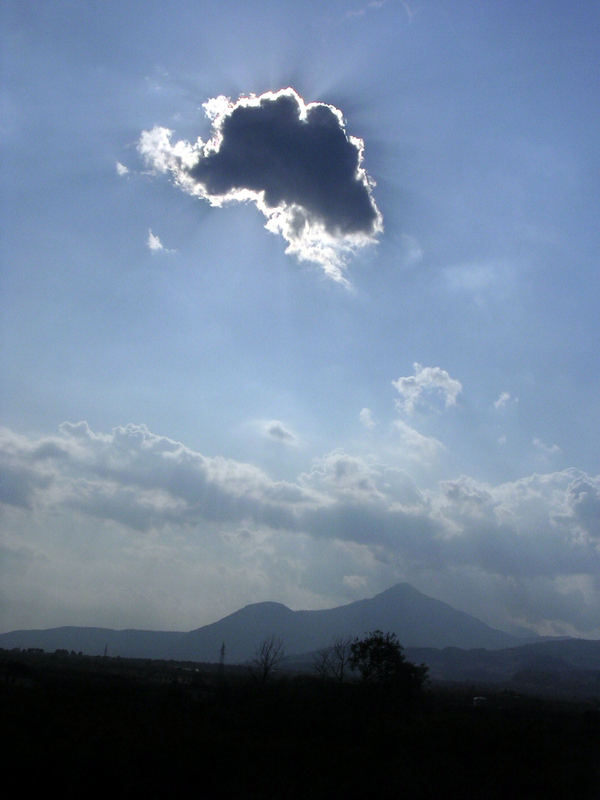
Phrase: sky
{"type": "Point", "coordinates": [300, 300]}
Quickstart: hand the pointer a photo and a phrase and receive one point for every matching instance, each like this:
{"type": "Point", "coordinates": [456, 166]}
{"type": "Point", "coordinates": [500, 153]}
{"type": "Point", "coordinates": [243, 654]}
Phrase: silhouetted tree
{"type": "Point", "coordinates": [321, 662]}
{"type": "Point", "coordinates": [333, 662]}
{"type": "Point", "coordinates": [269, 654]}
{"type": "Point", "coordinates": [379, 658]}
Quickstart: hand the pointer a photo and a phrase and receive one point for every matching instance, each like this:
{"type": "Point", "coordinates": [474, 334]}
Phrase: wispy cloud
{"type": "Point", "coordinates": [121, 169]}
{"type": "Point", "coordinates": [375, 5]}
{"type": "Point", "coordinates": [371, 6]}
{"type": "Point", "coordinates": [294, 160]}
{"type": "Point", "coordinates": [366, 418]}
{"type": "Point", "coordinates": [416, 446]}
{"type": "Point", "coordinates": [504, 400]}
{"type": "Point", "coordinates": [411, 252]}
{"type": "Point", "coordinates": [546, 450]}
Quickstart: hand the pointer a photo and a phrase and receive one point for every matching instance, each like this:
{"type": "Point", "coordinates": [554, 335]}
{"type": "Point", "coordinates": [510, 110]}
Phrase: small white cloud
{"type": "Point", "coordinates": [276, 430]}
{"type": "Point", "coordinates": [366, 417]}
{"type": "Point", "coordinates": [504, 400]}
{"type": "Point", "coordinates": [426, 382]}
{"type": "Point", "coordinates": [502, 440]}
{"type": "Point", "coordinates": [155, 245]}
{"type": "Point", "coordinates": [121, 169]}
{"type": "Point", "coordinates": [544, 449]}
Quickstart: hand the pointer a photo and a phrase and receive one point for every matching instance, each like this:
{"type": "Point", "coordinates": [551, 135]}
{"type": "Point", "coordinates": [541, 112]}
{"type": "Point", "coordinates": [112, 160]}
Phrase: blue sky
{"type": "Point", "coordinates": [194, 420]}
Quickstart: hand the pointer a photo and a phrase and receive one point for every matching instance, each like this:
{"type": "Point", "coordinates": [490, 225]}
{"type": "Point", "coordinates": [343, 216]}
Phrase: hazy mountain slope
{"type": "Point", "coordinates": [93, 641]}
{"type": "Point", "coordinates": [418, 621]}
{"type": "Point", "coordinates": [241, 632]}
{"type": "Point", "coordinates": [417, 618]}
{"type": "Point", "coordinates": [549, 660]}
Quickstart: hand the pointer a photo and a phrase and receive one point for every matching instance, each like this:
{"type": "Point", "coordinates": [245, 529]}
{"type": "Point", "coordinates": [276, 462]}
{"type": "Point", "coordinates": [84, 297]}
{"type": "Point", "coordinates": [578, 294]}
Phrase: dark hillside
{"type": "Point", "coordinates": [145, 729]}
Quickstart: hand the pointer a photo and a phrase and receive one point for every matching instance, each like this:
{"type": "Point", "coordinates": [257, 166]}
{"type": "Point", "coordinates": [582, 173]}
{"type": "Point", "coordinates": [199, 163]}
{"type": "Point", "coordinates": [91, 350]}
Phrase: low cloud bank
{"type": "Point", "coordinates": [294, 160]}
{"type": "Point", "coordinates": [541, 530]}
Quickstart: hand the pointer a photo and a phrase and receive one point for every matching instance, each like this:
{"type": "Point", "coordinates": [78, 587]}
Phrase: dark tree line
{"type": "Point", "coordinates": [155, 729]}
{"type": "Point", "coordinates": [378, 658]}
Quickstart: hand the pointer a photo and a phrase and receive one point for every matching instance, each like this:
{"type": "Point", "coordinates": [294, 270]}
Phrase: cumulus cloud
{"type": "Point", "coordinates": [279, 432]}
{"type": "Point", "coordinates": [582, 505]}
{"type": "Point", "coordinates": [426, 384]}
{"type": "Point", "coordinates": [523, 529]}
{"type": "Point", "coordinates": [141, 480]}
{"type": "Point", "coordinates": [294, 160]}
{"type": "Point", "coordinates": [121, 169]}
{"type": "Point", "coordinates": [541, 530]}
{"type": "Point", "coordinates": [339, 475]}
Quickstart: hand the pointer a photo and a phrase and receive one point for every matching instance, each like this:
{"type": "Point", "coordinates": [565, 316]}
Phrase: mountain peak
{"type": "Point", "coordinates": [417, 620]}
{"type": "Point", "coordinates": [400, 590]}
{"type": "Point", "coordinates": [267, 605]}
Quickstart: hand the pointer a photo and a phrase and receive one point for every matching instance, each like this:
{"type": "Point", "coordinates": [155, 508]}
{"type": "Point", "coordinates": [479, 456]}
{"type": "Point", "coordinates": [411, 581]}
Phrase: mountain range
{"type": "Point", "coordinates": [419, 621]}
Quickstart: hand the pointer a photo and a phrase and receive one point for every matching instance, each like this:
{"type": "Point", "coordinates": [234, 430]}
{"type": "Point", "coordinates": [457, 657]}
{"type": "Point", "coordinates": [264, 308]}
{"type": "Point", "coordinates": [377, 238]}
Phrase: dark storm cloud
{"type": "Point", "coordinates": [309, 162]}
{"type": "Point", "coordinates": [294, 160]}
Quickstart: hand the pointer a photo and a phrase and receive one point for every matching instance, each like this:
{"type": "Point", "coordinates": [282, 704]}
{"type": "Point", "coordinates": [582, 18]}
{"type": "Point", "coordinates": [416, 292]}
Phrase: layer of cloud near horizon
{"type": "Point", "coordinates": [293, 160]}
{"type": "Point", "coordinates": [536, 538]}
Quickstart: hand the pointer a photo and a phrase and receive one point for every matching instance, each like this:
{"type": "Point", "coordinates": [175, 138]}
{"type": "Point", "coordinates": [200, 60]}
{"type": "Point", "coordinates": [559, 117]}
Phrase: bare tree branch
{"type": "Point", "coordinates": [332, 662]}
{"type": "Point", "coordinates": [269, 654]}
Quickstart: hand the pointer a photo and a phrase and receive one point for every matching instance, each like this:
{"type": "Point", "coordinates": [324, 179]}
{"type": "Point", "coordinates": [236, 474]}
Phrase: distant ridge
{"type": "Point", "coordinates": [418, 621]}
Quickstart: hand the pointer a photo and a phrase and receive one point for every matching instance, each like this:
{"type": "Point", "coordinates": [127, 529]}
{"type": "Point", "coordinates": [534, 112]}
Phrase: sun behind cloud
{"type": "Point", "coordinates": [293, 160]}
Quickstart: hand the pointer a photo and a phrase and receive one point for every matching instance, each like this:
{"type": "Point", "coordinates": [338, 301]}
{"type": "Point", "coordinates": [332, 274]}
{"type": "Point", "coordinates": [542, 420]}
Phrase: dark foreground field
{"type": "Point", "coordinates": [156, 729]}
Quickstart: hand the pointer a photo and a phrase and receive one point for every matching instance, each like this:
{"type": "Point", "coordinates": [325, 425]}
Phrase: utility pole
{"type": "Point", "coordinates": [222, 661]}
